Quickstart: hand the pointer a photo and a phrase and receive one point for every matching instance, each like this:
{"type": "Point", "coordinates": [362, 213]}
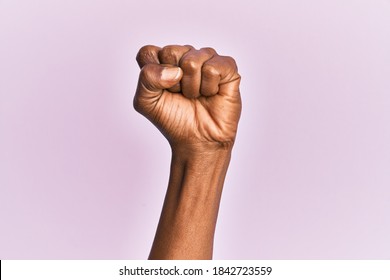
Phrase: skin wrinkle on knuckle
{"type": "Point", "coordinates": [232, 63]}
{"type": "Point", "coordinates": [209, 71]}
{"type": "Point", "coordinates": [192, 64]}
{"type": "Point", "coordinates": [228, 69]}
{"type": "Point", "coordinates": [167, 55]}
{"type": "Point", "coordinates": [147, 54]}
{"type": "Point", "coordinates": [208, 50]}
{"type": "Point", "coordinates": [193, 59]}
{"type": "Point", "coordinates": [142, 51]}
{"type": "Point", "coordinates": [210, 80]}
{"type": "Point", "coordinates": [189, 64]}
{"type": "Point", "coordinates": [172, 54]}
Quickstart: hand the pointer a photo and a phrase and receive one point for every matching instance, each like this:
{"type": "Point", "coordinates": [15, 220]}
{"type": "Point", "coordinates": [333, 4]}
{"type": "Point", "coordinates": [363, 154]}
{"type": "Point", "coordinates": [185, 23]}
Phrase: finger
{"type": "Point", "coordinates": [210, 80]}
{"type": "Point", "coordinates": [220, 75]}
{"type": "Point", "coordinates": [153, 79]}
{"type": "Point", "coordinates": [148, 54]}
{"type": "Point", "coordinates": [171, 55]}
{"type": "Point", "coordinates": [191, 64]}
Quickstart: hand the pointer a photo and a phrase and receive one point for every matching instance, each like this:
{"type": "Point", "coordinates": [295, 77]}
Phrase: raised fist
{"type": "Point", "coordinates": [192, 96]}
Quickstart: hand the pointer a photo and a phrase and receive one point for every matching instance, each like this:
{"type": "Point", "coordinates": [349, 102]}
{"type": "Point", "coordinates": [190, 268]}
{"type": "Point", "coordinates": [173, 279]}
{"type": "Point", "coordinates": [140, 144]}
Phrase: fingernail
{"type": "Point", "coordinates": [170, 73]}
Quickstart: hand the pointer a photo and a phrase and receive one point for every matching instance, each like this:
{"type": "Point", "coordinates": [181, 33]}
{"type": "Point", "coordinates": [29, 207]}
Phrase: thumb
{"type": "Point", "coordinates": [153, 79]}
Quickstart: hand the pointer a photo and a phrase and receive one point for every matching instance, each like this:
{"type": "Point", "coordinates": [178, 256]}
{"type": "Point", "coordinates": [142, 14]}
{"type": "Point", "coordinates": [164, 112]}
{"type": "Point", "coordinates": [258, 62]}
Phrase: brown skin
{"type": "Point", "coordinates": [192, 96]}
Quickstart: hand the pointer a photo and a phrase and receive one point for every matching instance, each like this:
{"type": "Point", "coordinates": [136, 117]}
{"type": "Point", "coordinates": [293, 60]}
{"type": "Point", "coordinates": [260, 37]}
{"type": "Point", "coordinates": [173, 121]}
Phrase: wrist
{"type": "Point", "coordinates": [204, 150]}
{"type": "Point", "coordinates": [201, 170]}
{"type": "Point", "coordinates": [202, 159]}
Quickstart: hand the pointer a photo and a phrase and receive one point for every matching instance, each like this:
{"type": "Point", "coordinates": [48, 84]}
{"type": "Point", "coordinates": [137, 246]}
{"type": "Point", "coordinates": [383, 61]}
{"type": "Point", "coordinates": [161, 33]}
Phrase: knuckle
{"type": "Point", "coordinates": [145, 54]}
{"type": "Point", "coordinates": [229, 60]}
{"type": "Point", "coordinates": [229, 63]}
{"type": "Point", "coordinates": [172, 54]}
{"type": "Point", "coordinates": [144, 51]}
{"type": "Point", "coordinates": [167, 53]}
{"type": "Point", "coordinates": [146, 48]}
{"type": "Point", "coordinates": [208, 50]}
{"type": "Point", "coordinates": [189, 63]}
{"type": "Point", "coordinates": [209, 71]}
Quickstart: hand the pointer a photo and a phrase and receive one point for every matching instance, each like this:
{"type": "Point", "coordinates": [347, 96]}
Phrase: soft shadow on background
{"type": "Point", "coordinates": [83, 176]}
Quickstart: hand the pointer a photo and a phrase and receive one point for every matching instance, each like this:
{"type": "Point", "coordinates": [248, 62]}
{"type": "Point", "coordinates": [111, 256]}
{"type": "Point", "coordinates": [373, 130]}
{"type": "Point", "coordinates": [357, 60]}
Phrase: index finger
{"type": "Point", "coordinates": [148, 54]}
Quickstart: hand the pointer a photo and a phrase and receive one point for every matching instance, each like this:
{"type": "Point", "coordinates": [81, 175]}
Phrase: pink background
{"type": "Point", "coordinates": [83, 176]}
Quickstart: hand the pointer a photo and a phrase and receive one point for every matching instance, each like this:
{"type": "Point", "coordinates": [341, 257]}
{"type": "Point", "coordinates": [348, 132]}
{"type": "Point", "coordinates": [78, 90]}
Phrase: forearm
{"type": "Point", "coordinates": [187, 223]}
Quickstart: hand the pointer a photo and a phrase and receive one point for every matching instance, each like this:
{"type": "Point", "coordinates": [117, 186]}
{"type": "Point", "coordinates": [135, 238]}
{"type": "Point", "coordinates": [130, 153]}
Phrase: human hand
{"type": "Point", "coordinates": [192, 96]}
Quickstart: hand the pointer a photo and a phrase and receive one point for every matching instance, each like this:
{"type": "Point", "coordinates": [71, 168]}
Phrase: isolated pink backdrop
{"type": "Point", "coordinates": [83, 176]}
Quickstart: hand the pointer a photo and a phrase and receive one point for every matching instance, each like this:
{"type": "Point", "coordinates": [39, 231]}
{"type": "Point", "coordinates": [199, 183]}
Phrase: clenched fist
{"type": "Point", "coordinates": [191, 95]}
